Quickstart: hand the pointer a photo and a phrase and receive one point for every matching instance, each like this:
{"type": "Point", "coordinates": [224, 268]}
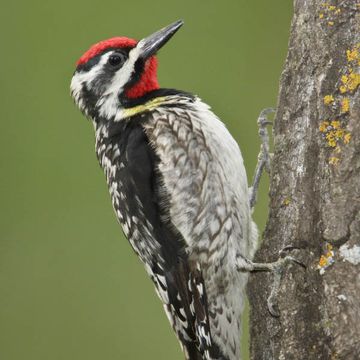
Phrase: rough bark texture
{"type": "Point", "coordinates": [315, 192]}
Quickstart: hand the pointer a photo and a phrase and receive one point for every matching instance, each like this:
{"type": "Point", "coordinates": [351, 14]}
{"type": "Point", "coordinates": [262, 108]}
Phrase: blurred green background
{"type": "Point", "coordinates": [70, 286]}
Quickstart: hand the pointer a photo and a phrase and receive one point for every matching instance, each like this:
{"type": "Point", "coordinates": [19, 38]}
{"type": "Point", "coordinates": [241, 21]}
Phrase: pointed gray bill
{"type": "Point", "coordinates": [151, 44]}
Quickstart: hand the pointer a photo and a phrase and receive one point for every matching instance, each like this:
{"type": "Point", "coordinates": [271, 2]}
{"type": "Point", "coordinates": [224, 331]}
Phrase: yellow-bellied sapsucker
{"type": "Point", "coordinates": [178, 187]}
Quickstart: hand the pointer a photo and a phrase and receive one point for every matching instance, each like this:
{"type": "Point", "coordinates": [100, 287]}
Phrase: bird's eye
{"type": "Point", "coordinates": [115, 59]}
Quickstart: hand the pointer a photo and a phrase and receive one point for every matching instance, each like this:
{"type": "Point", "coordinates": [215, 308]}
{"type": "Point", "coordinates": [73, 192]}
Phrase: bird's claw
{"type": "Point", "coordinates": [273, 307]}
{"type": "Point", "coordinates": [288, 248]}
{"type": "Point", "coordinates": [278, 270]}
{"type": "Point", "coordinates": [263, 120]}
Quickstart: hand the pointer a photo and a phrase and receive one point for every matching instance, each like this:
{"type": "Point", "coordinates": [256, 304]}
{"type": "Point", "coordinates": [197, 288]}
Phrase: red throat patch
{"type": "Point", "coordinates": [148, 79]}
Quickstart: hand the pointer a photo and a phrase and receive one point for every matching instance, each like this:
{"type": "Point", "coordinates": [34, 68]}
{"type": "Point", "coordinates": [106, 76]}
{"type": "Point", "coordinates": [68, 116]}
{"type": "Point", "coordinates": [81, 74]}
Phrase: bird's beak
{"type": "Point", "coordinates": [151, 44]}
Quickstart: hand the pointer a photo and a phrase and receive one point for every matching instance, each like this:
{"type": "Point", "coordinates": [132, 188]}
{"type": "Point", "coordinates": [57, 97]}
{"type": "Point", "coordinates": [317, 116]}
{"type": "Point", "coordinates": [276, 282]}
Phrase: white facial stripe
{"type": "Point", "coordinates": [86, 77]}
{"type": "Point", "coordinates": [140, 44]}
{"type": "Point", "coordinates": [123, 75]}
{"type": "Point", "coordinates": [108, 103]}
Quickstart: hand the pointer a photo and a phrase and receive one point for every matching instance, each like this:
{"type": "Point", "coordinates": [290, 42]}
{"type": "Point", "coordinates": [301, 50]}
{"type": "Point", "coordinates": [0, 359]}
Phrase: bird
{"type": "Point", "coordinates": [179, 189]}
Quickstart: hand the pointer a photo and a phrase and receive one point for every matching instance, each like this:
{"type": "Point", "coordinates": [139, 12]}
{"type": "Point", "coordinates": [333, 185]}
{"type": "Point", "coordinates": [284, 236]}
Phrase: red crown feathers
{"type": "Point", "coordinates": [115, 42]}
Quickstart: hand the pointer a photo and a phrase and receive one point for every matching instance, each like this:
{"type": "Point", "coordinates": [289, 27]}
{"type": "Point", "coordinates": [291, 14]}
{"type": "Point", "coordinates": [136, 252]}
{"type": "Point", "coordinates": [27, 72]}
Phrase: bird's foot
{"type": "Point", "coordinates": [277, 269]}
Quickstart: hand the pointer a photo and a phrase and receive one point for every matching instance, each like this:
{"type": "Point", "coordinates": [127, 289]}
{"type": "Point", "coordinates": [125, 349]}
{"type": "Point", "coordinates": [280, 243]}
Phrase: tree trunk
{"type": "Point", "coordinates": [315, 192]}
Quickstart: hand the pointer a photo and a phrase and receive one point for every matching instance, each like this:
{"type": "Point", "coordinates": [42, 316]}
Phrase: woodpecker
{"type": "Point", "coordinates": [178, 187]}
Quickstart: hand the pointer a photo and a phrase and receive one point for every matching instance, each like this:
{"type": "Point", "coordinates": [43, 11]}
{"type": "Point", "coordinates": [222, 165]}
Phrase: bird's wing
{"type": "Point", "coordinates": [146, 221]}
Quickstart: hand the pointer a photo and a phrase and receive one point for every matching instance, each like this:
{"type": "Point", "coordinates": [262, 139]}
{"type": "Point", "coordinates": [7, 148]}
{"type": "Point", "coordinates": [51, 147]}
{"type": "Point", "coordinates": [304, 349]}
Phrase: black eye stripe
{"type": "Point", "coordinates": [95, 60]}
{"type": "Point", "coordinates": [90, 64]}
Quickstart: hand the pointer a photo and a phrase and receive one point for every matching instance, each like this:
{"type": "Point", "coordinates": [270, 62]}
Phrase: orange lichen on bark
{"type": "Point", "coordinates": [334, 131]}
{"type": "Point", "coordinates": [350, 82]}
{"type": "Point", "coordinates": [328, 12]}
{"type": "Point", "coordinates": [286, 201]}
{"type": "Point", "coordinates": [345, 105]}
{"type": "Point", "coordinates": [328, 99]}
{"type": "Point", "coordinates": [353, 54]}
{"type": "Point", "coordinates": [334, 160]}
{"type": "Point", "coordinates": [347, 138]}
{"type": "Point", "coordinates": [334, 134]}
{"type": "Point", "coordinates": [326, 259]}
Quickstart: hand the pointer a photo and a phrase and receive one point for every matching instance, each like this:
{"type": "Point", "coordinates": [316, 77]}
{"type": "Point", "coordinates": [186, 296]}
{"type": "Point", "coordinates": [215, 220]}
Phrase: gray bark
{"type": "Point", "coordinates": [315, 192]}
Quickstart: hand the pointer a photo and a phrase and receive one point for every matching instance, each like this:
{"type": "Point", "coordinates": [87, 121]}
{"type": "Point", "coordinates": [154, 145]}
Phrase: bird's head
{"type": "Point", "coordinates": [116, 71]}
